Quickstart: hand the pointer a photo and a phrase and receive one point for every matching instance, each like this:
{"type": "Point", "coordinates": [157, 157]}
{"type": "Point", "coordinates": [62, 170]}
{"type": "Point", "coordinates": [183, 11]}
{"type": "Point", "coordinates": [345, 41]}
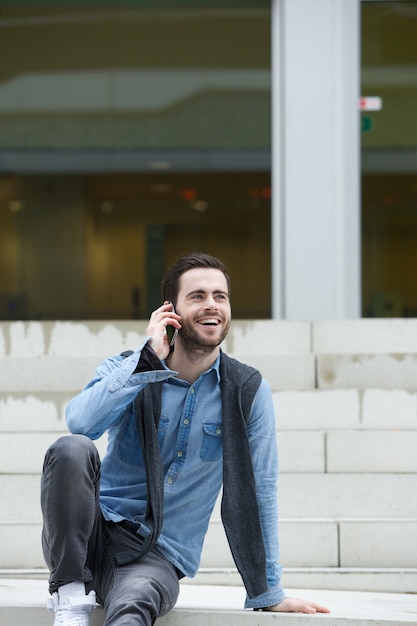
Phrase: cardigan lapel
{"type": "Point", "coordinates": [240, 513]}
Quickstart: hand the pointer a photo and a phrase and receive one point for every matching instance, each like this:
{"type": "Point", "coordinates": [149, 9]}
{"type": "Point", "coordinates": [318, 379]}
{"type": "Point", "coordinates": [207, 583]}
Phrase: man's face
{"type": "Point", "coordinates": [204, 306]}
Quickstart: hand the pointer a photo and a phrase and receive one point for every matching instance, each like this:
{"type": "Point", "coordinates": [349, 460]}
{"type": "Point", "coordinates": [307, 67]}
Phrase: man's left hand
{"type": "Point", "coordinates": [295, 605]}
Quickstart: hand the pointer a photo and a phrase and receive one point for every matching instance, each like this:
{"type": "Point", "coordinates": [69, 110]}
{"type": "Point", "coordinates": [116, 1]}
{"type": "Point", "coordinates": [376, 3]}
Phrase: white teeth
{"type": "Point", "coordinates": [209, 322]}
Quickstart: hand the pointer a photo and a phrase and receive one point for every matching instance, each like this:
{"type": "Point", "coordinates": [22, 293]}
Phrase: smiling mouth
{"type": "Point", "coordinates": [209, 321]}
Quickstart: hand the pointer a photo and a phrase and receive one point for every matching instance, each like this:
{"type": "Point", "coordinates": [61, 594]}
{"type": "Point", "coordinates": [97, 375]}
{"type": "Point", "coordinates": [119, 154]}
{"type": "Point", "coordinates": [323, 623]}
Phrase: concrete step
{"type": "Point", "coordinates": [340, 452]}
{"type": "Point", "coordinates": [362, 336]}
{"type": "Point", "coordinates": [59, 373]}
{"type": "Point", "coordinates": [375, 580]}
{"type": "Point", "coordinates": [387, 580]}
{"type": "Point", "coordinates": [323, 410]}
{"type": "Point", "coordinates": [301, 496]}
{"type": "Point", "coordinates": [360, 542]}
{"type": "Point", "coordinates": [379, 336]}
{"type": "Point", "coordinates": [22, 602]}
{"type": "Point", "coordinates": [362, 528]}
{"type": "Point", "coordinates": [350, 543]}
{"type": "Point", "coordinates": [94, 338]}
{"type": "Point", "coordinates": [283, 371]}
{"type": "Point", "coordinates": [293, 355]}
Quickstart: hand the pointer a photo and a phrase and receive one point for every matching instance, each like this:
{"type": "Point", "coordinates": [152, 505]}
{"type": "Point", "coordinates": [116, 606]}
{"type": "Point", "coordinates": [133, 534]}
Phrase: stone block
{"type": "Point", "coordinates": [28, 555]}
{"type": "Point", "coordinates": [33, 412]}
{"type": "Point", "coordinates": [268, 337]}
{"type": "Point", "coordinates": [372, 452]}
{"type": "Point", "coordinates": [367, 371]}
{"type": "Point", "coordinates": [22, 338]}
{"type": "Point", "coordinates": [303, 543]}
{"type": "Point", "coordinates": [317, 410]}
{"type": "Point", "coordinates": [23, 453]}
{"type": "Point", "coordinates": [347, 495]}
{"type": "Point", "coordinates": [284, 372]}
{"type": "Point", "coordinates": [100, 339]}
{"type": "Point", "coordinates": [378, 543]}
{"type": "Point", "coordinates": [301, 451]}
{"type": "Point", "coordinates": [20, 498]}
{"type": "Point", "coordinates": [309, 543]}
{"type": "Point", "coordinates": [103, 339]}
{"type": "Point", "coordinates": [216, 551]}
{"type": "Point", "coordinates": [46, 373]}
{"type": "Point", "coordinates": [60, 373]}
{"type": "Point", "coordinates": [331, 496]}
{"type": "Point", "coordinates": [389, 580]}
{"type": "Point", "coordinates": [389, 409]}
{"type": "Point", "coordinates": [365, 336]}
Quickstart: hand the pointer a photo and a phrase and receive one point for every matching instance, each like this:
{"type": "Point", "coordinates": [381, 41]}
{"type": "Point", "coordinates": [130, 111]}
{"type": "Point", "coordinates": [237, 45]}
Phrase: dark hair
{"type": "Point", "coordinates": [170, 284]}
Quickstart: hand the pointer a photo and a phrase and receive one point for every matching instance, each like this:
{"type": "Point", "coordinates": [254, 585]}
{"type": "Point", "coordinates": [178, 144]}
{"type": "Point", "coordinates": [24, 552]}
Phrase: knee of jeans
{"type": "Point", "coordinates": [144, 596]}
{"type": "Point", "coordinates": [71, 449]}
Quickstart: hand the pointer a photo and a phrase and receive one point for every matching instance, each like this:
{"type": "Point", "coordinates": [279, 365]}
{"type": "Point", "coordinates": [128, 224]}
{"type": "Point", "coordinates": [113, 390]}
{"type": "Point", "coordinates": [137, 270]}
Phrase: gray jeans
{"type": "Point", "coordinates": [79, 544]}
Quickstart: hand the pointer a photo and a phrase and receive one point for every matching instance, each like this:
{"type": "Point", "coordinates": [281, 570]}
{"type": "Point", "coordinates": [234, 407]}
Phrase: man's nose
{"type": "Point", "coordinates": [211, 303]}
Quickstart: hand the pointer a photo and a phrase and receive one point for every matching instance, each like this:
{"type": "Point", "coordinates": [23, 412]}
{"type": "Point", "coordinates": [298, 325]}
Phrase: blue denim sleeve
{"type": "Point", "coordinates": [103, 401]}
{"type": "Point", "coordinates": [264, 452]}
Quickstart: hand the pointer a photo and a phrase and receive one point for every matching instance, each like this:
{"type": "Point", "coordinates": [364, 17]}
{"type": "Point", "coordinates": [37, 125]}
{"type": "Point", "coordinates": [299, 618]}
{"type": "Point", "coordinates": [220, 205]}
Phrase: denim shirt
{"type": "Point", "coordinates": [190, 438]}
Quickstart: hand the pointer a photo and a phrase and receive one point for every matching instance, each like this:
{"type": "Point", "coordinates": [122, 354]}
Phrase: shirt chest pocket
{"type": "Point", "coordinates": [211, 446]}
{"type": "Point", "coordinates": [129, 444]}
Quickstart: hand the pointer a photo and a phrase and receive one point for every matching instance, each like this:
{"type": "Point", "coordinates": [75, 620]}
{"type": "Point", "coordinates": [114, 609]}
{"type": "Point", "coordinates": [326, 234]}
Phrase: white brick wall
{"type": "Point", "coordinates": [267, 337]}
{"type": "Point", "coordinates": [347, 495]}
{"type": "Point", "coordinates": [367, 371]}
{"type": "Point", "coordinates": [284, 371]}
{"type": "Point", "coordinates": [302, 452]}
{"type": "Point", "coordinates": [23, 453]}
{"type": "Point", "coordinates": [317, 410]}
{"type": "Point", "coordinates": [365, 336]}
{"type": "Point", "coordinates": [383, 409]}
{"type": "Point", "coordinates": [32, 339]}
{"type": "Point", "coordinates": [370, 452]}
{"type": "Point", "coordinates": [21, 546]}
{"type": "Point", "coordinates": [378, 543]}
{"type": "Point", "coordinates": [303, 543]}
{"type": "Point", "coordinates": [33, 412]}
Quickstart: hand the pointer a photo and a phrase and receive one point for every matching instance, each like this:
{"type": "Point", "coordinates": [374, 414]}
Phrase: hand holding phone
{"type": "Point", "coordinates": [171, 331]}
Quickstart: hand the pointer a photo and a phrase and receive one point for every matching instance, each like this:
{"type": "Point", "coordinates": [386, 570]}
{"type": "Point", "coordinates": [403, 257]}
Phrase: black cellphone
{"type": "Point", "coordinates": [171, 331]}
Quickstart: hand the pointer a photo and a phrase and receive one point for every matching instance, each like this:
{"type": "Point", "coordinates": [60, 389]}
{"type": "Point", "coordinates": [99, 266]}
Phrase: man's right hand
{"type": "Point", "coordinates": [159, 320]}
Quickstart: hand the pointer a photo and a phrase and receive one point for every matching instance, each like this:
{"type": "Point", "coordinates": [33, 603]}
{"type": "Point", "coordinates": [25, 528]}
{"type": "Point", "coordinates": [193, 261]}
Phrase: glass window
{"type": "Point", "coordinates": [129, 137]}
{"type": "Point", "coordinates": [389, 159]}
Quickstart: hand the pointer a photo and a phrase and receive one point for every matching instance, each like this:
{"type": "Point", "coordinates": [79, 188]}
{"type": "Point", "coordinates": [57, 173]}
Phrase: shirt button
{"type": "Point", "coordinates": [186, 421]}
{"type": "Point", "coordinates": [218, 431]}
{"type": "Point", "coordinates": [192, 390]}
{"type": "Point", "coordinates": [169, 481]}
{"type": "Point", "coordinates": [179, 453]}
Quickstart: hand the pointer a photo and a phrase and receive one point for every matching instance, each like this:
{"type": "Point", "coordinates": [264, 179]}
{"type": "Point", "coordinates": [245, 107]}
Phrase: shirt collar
{"type": "Point", "coordinates": [216, 367]}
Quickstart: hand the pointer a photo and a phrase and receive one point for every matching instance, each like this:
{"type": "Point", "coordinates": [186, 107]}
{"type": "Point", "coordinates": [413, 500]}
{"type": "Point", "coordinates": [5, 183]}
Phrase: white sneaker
{"type": "Point", "coordinates": [72, 610]}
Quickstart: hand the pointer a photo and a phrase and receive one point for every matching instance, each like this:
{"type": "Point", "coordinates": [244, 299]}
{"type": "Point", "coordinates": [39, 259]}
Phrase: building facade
{"type": "Point", "coordinates": [131, 135]}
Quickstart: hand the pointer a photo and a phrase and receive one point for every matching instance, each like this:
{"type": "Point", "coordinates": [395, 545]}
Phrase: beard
{"type": "Point", "coordinates": [193, 342]}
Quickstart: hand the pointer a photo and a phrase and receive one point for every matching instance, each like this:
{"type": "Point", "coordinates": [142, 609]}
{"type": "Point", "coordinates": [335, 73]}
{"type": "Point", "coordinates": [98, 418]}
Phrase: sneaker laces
{"type": "Point", "coordinates": [71, 616]}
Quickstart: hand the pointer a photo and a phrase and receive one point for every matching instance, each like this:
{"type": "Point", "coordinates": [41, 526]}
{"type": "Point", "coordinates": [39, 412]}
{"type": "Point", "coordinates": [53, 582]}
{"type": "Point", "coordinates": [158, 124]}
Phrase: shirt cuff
{"type": "Point", "coordinates": [127, 376]}
{"type": "Point", "coordinates": [273, 596]}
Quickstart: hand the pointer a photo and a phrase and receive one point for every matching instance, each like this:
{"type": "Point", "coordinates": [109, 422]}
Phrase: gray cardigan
{"type": "Point", "coordinates": [240, 514]}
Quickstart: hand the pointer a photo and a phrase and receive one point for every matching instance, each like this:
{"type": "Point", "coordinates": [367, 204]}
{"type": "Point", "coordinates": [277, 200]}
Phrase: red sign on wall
{"type": "Point", "coordinates": [370, 103]}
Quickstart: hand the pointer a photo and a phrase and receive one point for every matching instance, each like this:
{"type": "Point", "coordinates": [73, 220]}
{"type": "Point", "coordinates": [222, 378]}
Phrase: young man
{"type": "Point", "coordinates": [182, 421]}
